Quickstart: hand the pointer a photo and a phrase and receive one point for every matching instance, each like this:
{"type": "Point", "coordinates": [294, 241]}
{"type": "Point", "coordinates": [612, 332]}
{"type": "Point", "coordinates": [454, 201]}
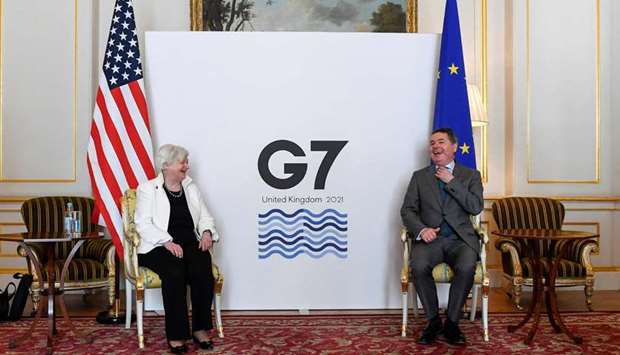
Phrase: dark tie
{"type": "Point", "coordinates": [442, 191]}
{"type": "Point", "coordinates": [444, 229]}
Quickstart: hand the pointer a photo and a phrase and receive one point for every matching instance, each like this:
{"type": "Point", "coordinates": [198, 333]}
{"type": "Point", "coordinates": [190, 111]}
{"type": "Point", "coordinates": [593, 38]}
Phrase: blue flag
{"type": "Point", "coordinates": [451, 104]}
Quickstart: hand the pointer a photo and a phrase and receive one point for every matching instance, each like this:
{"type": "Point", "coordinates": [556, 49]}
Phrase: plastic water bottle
{"type": "Point", "coordinates": [76, 222]}
{"type": "Point", "coordinates": [68, 220]}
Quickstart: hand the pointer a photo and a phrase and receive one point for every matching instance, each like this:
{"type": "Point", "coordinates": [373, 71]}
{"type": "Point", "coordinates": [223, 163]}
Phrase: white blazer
{"type": "Point", "coordinates": [153, 213]}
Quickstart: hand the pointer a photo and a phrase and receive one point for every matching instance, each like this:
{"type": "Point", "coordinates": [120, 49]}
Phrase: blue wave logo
{"type": "Point", "coordinates": [302, 232]}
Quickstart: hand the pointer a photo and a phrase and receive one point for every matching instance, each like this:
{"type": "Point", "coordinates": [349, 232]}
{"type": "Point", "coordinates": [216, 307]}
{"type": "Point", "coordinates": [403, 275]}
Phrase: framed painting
{"type": "Point", "coordinates": [304, 15]}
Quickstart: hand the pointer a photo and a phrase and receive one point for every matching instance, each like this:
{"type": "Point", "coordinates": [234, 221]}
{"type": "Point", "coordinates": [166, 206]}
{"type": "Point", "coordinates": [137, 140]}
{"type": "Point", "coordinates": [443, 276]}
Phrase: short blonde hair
{"type": "Point", "coordinates": [169, 154]}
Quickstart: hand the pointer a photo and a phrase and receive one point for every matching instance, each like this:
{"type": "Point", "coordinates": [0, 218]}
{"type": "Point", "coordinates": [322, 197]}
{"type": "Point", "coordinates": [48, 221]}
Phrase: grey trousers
{"type": "Point", "coordinates": [461, 258]}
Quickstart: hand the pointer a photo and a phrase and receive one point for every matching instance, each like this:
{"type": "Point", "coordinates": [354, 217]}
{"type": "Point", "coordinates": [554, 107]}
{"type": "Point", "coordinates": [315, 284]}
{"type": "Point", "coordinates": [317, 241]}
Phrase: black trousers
{"type": "Point", "coordinates": [461, 258]}
{"type": "Point", "coordinates": [175, 273]}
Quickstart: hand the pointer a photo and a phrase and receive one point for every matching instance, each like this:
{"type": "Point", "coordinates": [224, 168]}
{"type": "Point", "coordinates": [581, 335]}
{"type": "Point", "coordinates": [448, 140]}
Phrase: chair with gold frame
{"type": "Point", "coordinates": [442, 273]}
{"type": "Point", "coordinates": [93, 265]}
{"type": "Point", "coordinates": [141, 278]}
{"type": "Point", "coordinates": [540, 213]}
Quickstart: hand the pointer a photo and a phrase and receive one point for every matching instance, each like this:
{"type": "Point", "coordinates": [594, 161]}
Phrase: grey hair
{"type": "Point", "coordinates": [169, 154]}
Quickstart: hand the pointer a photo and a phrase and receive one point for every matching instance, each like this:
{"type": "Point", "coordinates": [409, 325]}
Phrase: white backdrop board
{"type": "Point", "coordinates": [295, 235]}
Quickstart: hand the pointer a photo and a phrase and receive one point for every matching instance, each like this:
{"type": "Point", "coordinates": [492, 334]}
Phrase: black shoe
{"type": "Point", "coordinates": [430, 333]}
{"type": "Point", "coordinates": [206, 345]}
{"type": "Point", "coordinates": [453, 334]}
{"type": "Point", "coordinates": [179, 349]}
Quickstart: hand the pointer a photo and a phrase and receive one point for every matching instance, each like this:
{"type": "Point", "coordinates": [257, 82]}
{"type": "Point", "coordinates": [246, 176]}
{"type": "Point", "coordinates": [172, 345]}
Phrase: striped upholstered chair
{"type": "Point", "coordinates": [540, 213]}
{"type": "Point", "coordinates": [141, 278]}
{"type": "Point", "coordinates": [93, 265]}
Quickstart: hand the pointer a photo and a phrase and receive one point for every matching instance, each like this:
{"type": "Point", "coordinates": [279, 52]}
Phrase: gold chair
{"type": "Point", "coordinates": [540, 213]}
{"type": "Point", "coordinates": [92, 266]}
{"type": "Point", "coordinates": [442, 273]}
{"type": "Point", "coordinates": [141, 278]}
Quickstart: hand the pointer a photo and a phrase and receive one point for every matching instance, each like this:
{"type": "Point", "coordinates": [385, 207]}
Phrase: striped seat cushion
{"type": "Point", "coordinates": [566, 268]}
{"type": "Point", "coordinates": [442, 273]}
{"type": "Point", "coordinates": [80, 270]}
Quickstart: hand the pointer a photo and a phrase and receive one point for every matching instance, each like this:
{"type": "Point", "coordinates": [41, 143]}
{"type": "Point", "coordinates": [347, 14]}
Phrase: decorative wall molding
{"type": "Point", "coordinates": [3, 178]}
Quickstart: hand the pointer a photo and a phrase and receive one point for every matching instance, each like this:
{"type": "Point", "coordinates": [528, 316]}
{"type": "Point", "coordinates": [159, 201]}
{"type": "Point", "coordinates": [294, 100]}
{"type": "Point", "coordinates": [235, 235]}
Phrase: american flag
{"type": "Point", "coordinates": [120, 152]}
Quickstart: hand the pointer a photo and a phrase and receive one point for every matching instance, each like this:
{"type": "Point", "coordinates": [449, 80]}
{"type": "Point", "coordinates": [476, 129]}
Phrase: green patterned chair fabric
{"type": "Point", "coordinates": [93, 263]}
{"type": "Point", "coordinates": [152, 280]}
{"type": "Point", "coordinates": [575, 268]}
{"type": "Point", "coordinates": [442, 273]}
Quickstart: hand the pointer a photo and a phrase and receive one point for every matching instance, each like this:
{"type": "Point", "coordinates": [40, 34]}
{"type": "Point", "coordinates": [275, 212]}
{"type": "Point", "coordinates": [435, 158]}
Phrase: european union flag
{"type": "Point", "coordinates": [451, 104]}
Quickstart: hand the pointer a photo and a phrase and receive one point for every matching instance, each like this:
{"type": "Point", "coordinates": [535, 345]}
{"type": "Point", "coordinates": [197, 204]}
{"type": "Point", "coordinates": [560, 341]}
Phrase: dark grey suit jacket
{"type": "Point", "coordinates": [423, 205]}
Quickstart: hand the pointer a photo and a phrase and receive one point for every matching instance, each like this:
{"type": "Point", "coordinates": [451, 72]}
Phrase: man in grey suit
{"type": "Point", "coordinates": [436, 210]}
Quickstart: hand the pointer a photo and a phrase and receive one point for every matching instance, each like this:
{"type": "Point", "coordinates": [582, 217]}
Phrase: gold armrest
{"type": "Point", "coordinates": [404, 271]}
{"type": "Point", "coordinates": [132, 238]}
{"type": "Point", "coordinates": [585, 257]}
{"type": "Point", "coordinates": [514, 258]}
{"type": "Point", "coordinates": [404, 234]}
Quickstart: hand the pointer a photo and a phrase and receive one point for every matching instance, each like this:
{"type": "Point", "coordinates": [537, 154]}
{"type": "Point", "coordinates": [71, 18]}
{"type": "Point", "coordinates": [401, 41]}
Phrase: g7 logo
{"type": "Point", "coordinates": [297, 171]}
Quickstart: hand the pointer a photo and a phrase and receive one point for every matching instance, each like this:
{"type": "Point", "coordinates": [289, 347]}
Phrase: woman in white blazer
{"type": "Point", "coordinates": [177, 231]}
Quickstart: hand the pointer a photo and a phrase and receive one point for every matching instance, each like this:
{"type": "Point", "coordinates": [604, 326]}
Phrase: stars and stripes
{"type": "Point", "coordinates": [120, 152]}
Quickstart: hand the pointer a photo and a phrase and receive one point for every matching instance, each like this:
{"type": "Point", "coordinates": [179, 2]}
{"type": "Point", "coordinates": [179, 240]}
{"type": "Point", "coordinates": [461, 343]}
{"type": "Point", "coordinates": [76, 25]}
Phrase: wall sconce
{"type": "Point", "coordinates": [477, 110]}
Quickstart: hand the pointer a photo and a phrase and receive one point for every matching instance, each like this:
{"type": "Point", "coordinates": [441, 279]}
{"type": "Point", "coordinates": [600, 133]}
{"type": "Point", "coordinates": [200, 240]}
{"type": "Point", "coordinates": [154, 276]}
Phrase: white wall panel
{"type": "Point", "coordinates": [614, 70]}
{"type": "Point", "coordinates": [555, 67]}
{"type": "Point", "coordinates": [38, 89]}
{"type": "Point", "coordinates": [563, 90]}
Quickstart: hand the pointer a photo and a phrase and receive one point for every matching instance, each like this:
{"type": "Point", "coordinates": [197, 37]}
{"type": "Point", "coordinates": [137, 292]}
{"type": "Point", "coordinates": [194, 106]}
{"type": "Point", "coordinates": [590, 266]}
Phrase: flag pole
{"type": "Point", "coordinates": [114, 314]}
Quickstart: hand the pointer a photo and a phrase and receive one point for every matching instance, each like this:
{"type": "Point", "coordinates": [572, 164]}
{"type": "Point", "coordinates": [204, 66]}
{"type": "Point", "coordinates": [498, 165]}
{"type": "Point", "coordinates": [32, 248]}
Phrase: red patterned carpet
{"type": "Point", "coordinates": [346, 334]}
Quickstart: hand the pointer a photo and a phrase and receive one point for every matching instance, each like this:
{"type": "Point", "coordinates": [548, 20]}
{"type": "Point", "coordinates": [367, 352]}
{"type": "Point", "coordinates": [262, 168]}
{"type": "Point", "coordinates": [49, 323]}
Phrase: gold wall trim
{"type": "Point", "coordinates": [9, 270]}
{"type": "Point", "coordinates": [595, 268]}
{"type": "Point", "coordinates": [12, 224]}
{"type": "Point", "coordinates": [196, 20]}
{"type": "Point", "coordinates": [597, 105]}
{"type": "Point", "coordinates": [5, 199]}
{"type": "Point", "coordinates": [568, 209]}
{"type": "Point", "coordinates": [3, 179]}
{"type": "Point", "coordinates": [412, 16]}
{"type": "Point", "coordinates": [584, 198]}
{"type": "Point", "coordinates": [606, 268]}
{"type": "Point", "coordinates": [485, 87]}
{"type": "Point", "coordinates": [195, 15]}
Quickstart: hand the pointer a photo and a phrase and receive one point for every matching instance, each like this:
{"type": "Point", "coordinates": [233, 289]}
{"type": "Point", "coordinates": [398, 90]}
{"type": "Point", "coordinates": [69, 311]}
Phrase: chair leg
{"type": "Point", "coordinates": [403, 331]}
{"type": "Point", "coordinates": [516, 293]}
{"type": "Point", "coordinates": [485, 312]}
{"type": "Point", "coordinates": [36, 298]}
{"type": "Point", "coordinates": [218, 314]}
{"type": "Point", "coordinates": [474, 303]}
{"type": "Point", "coordinates": [414, 293]}
{"type": "Point", "coordinates": [139, 311]}
{"type": "Point", "coordinates": [589, 290]}
{"type": "Point", "coordinates": [128, 301]}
